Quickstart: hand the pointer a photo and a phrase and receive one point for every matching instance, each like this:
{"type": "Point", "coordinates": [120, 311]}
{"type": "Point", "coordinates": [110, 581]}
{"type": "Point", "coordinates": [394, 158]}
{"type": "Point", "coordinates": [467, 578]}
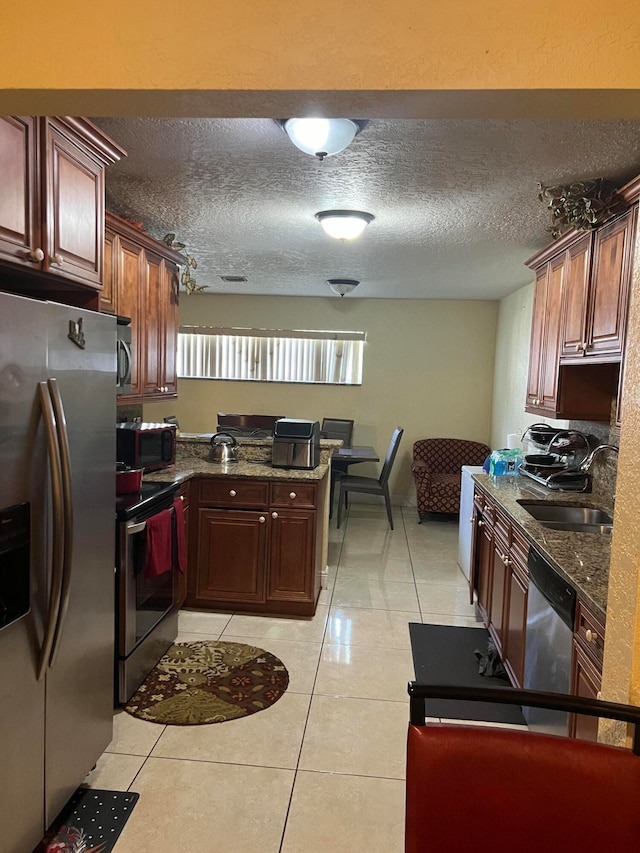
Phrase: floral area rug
{"type": "Point", "coordinates": [209, 682]}
{"type": "Point", "coordinates": [91, 822]}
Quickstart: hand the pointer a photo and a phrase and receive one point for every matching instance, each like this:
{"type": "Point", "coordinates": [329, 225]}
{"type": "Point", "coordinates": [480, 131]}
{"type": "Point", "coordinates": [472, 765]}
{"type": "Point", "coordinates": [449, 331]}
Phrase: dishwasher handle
{"type": "Point", "coordinates": [560, 595]}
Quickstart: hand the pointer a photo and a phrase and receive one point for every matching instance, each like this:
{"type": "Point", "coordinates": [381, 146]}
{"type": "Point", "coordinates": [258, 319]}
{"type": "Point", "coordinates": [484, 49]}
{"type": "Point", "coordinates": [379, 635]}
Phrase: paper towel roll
{"type": "Point", "coordinates": [513, 440]}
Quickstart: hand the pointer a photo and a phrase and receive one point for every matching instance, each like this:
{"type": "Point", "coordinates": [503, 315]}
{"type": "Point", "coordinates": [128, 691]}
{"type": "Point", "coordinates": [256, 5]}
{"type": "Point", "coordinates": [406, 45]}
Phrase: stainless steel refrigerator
{"type": "Point", "coordinates": [57, 528]}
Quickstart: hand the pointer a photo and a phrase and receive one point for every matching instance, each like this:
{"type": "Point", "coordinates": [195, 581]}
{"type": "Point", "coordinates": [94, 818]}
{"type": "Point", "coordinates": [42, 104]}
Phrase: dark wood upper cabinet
{"type": "Point", "coordinates": [52, 200]}
{"type": "Point", "coordinates": [20, 241]}
{"type": "Point", "coordinates": [144, 286]}
{"type": "Point", "coordinates": [575, 298]}
{"type": "Point", "coordinates": [578, 329]}
{"type": "Point", "coordinates": [595, 302]}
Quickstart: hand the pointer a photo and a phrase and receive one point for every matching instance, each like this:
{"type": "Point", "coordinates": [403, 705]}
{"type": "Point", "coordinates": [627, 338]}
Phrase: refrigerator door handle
{"type": "Point", "coordinates": [57, 544]}
{"type": "Point", "coordinates": [67, 509]}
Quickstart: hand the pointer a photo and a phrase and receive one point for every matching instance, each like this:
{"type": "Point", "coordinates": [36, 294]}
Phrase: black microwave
{"type": "Point", "coordinates": [148, 446]}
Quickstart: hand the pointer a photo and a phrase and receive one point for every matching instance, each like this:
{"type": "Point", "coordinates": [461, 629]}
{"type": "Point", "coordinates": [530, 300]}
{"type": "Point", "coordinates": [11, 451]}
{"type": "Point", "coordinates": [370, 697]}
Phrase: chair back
{"type": "Point", "coordinates": [516, 789]}
{"type": "Point", "coordinates": [448, 455]}
{"type": "Point", "coordinates": [391, 455]}
{"type": "Point", "coordinates": [337, 428]}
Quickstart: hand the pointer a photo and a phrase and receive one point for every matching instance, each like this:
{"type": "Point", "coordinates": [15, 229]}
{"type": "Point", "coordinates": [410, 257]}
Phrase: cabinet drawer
{"type": "Point", "coordinates": [502, 529]}
{"type": "Point", "coordinates": [589, 632]}
{"type": "Point", "coordinates": [294, 494]}
{"type": "Point", "coordinates": [234, 493]}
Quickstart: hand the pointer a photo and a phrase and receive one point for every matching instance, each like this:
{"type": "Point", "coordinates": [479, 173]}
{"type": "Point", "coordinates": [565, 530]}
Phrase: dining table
{"type": "Point", "coordinates": [342, 457]}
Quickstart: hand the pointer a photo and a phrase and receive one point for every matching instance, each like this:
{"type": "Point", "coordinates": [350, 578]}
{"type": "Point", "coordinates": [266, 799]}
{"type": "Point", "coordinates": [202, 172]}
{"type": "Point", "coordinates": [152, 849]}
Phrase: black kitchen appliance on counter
{"type": "Point", "coordinates": [296, 444]}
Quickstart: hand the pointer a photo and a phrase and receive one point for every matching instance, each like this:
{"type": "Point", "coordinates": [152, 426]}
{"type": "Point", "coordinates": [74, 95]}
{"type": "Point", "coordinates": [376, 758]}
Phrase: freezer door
{"type": "Point", "coordinates": [23, 329]}
{"type": "Point", "coordinates": [79, 681]}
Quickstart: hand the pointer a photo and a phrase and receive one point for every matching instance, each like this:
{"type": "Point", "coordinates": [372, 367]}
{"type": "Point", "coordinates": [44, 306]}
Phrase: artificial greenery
{"type": "Point", "coordinates": [583, 205]}
{"type": "Point", "coordinates": [186, 278]}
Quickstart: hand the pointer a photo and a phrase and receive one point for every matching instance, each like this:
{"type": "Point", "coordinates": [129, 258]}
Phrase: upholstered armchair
{"type": "Point", "coordinates": [436, 471]}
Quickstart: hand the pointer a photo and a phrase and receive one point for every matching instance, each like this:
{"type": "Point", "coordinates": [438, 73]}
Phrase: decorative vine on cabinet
{"type": "Point", "coordinates": [141, 282]}
{"type": "Point", "coordinates": [52, 205]}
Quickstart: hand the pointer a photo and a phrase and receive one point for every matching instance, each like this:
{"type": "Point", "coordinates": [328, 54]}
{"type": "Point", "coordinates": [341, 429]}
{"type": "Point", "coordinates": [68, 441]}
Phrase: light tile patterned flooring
{"type": "Point", "coordinates": [322, 769]}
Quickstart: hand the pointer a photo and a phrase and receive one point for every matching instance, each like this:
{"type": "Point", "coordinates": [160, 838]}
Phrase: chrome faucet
{"type": "Point", "coordinates": [588, 462]}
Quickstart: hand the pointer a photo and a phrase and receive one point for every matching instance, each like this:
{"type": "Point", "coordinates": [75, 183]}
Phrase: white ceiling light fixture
{"type": "Point", "coordinates": [344, 224]}
{"type": "Point", "coordinates": [341, 286]}
{"type": "Point", "coordinates": [321, 137]}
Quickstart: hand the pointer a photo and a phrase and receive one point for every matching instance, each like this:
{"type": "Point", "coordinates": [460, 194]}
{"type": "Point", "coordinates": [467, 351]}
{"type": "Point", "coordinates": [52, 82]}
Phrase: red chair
{"type": "Point", "coordinates": [436, 469]}
{"type": "Point", "coordinates": [509, 791]}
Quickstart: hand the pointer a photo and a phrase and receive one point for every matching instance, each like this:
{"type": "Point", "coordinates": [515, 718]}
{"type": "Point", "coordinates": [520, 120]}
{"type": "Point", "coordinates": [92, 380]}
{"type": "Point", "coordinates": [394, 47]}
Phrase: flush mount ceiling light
{"type": "Point", "coordinates": [342, 285]}
{"type": "Point", "coordinates": [344, 224]}
{"type": "Point", "coordinates": [322, 137]}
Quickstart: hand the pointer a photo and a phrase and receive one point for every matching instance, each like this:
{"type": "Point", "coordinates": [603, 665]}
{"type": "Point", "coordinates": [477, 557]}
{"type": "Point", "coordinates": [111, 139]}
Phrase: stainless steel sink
{"type": "Point", "coordinates": [581, 519]}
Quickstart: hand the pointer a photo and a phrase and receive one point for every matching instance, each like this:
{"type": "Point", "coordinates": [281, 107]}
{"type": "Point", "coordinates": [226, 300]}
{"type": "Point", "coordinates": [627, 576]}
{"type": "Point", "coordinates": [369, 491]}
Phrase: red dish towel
{"type": "Point", "coordinates": [180, 539]}
{"type": "Point", "coordinates": [159, 556]}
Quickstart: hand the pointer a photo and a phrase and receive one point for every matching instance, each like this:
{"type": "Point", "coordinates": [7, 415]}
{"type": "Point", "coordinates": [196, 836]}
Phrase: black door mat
{"type": "Point", "coordinates": [446, 655]}
{"type": "Point", "coordinates": [91, 822]}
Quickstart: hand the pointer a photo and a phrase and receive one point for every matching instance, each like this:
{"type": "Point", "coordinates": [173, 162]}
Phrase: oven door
{"type": "Point", "coordinates": [144, 599]}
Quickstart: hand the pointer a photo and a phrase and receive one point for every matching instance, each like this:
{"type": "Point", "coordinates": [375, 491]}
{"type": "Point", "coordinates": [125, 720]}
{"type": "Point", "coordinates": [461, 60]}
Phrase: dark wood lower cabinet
{"type": "Point", "coordinates": [586, 680]}
{"type": "Point", "coordinates": [292, 546]}
{"type": "Point", "coordinates": [513, 657]}
{"type": "Point", "coordinates": [183, 493]}
{"type": "Point", "coordinates": [261, 557]}
{"type": "Point", "coordinates": [232, 555]}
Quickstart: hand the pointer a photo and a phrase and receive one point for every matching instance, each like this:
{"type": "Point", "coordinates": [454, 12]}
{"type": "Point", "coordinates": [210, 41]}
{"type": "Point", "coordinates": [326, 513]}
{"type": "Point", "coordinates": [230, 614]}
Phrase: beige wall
{"type": "Point", "coordinates": [512, 367]}
{"type": "Point", "coordinates": [428, 367]}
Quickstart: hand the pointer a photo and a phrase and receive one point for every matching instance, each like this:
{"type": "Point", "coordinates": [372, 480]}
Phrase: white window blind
{"type": "Point", "coordinates": [271, 355]}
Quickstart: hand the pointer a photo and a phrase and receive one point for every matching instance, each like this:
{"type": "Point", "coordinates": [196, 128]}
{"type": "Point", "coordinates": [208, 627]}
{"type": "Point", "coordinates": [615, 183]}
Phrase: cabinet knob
{"type": "Point", "coordinates": [35, 255]}
{"type": "Point", "coordinates": [591, 635]}
{"type": "Point", "coordinates": [262, 519]}
{"type": "Point", "coordinates": [292, 495]}
{"type": "Point", "coordinates": [274, 515]}
{"type": "Point", "coordinates": [481, 523]}
{"type": "Point", "coordinates": [233, 493]}
{"type": "Point", "coordinates": [57, 259]}
{"type": "Point", "coordinates": [472, 519]}
{"type": "Point", "coordinates": [578, 347]}
{"type": "Point", "coordinates": [159, 389]}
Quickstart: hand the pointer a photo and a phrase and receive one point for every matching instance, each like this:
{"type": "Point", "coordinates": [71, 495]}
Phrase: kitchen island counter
{"type": "Point", "coordinates": [581, 558]}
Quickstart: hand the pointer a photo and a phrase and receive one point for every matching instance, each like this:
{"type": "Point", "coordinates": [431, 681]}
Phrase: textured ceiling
{"type": "Point", "coordinates": [455, 201]}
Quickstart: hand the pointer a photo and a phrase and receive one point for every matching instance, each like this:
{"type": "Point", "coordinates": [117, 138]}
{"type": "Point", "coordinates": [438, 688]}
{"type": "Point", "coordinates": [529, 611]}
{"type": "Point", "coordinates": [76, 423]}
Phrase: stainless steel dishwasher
{"type": "Point", "coordinates": [551, 608]}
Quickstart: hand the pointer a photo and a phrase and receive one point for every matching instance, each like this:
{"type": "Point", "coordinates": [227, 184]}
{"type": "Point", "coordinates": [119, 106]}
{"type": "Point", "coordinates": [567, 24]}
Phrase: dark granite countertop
{"type": "Point", "coordinates": [243, 469]}
{"type": "Point", "coordinates": [581, 558]}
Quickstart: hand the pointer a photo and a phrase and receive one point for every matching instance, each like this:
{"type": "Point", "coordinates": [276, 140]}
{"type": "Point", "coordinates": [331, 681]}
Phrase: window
{"type": "Point", "coordinates": [271, 355]}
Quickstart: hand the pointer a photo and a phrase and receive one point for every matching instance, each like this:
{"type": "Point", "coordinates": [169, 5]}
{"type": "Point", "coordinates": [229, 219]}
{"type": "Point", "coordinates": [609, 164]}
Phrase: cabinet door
{"type": "Point", "coordinates": [575, 300]}
{"type": "Point", "coordinates": [128, 256]}
{"type": "Point", "coordinates": [291, 555]}
{"type": "Point", "coordinates": [152, 325]}
{"type": "Point", "coordinates": [516, 629]}
{"type": "Point", "coordinates": [170, 288]}
{"type": "Point", "coordinates": [585, 682]}
{"type": "Point", "coordinates": [497, 610]}
{"type": "Point", "coordinates": [551, 337]}
{"type": "Point", "coordinates": [231, 561]}
{"type": "Point", "coordinates": [73, 208]}
{"type": "Point", "coordinates": [537, 342]}
{"type": "Point", "coordinates": [20, 240]}
{"type": "Point", "coordinates": [183, 493]}
{"type": "Point", "coordinates": [485, 569]}
{"type": "Point", "coordinates": [610, 281]}
{"type": "Point", "coordinates": [108, 301]}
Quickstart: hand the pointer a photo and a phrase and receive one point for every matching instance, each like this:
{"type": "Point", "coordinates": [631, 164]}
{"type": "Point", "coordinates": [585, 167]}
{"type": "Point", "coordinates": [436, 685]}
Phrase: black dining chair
{"type": "Point", "coordinates": [371, 485]}
{"type": "Point", "coordinates": [343, 429]}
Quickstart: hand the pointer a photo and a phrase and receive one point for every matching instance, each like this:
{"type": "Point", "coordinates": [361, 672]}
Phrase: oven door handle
{"type": "Point", "coordinates": [136, 528]}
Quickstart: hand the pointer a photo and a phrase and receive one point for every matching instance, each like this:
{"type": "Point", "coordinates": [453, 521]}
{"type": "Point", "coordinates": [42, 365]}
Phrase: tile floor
{"type": "Point", "coordinates": [323, 769]}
